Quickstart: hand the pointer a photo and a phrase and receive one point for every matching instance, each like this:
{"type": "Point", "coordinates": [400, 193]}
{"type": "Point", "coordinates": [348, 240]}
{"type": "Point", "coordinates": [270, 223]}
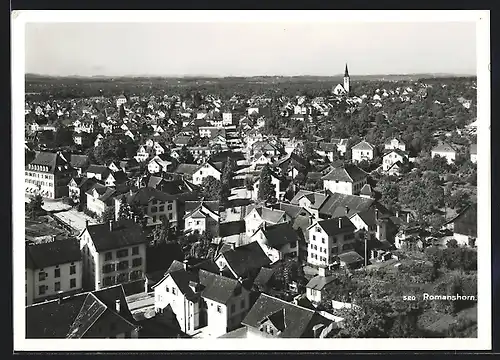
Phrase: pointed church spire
{"type": "Point", "coordinates": [346, 73]}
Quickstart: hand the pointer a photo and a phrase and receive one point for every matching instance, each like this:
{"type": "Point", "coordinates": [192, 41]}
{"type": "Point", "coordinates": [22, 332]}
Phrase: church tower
{"type": "Point", "coordinates": [346, 79]}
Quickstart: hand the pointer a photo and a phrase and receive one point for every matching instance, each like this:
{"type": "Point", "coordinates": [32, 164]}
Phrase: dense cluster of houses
{"type": "Point", "coordinates": [81, 280]}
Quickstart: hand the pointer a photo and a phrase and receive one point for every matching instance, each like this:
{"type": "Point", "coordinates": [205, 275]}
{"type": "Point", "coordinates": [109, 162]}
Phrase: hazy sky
{"type": "Point", "coordinates": [245, 49]}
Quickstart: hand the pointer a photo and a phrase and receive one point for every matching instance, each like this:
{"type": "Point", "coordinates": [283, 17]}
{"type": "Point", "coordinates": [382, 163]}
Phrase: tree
{"type": "Point", "coordinates": [390, 194]}
{"type": "Point", "coordinates": [369, 320]}
{"type": "Point", "coordinates": [34, 207]}
{"type": "Point", "coordinates": [459, 200]}
{"type": "Point", "coordinates": [202, 249]}
{"type": "Point", "coordinates": [124, 211]}
{"type": "Point", "coordinates": [211, 188]}
{"type": "Point", "coordinates": [111, 148]}
{"type": "Point", "coordinates": [185, 156]}
{"type": "Point", "coordinates": [108, 214]}
{"type": "Point", "coordinates": [266, 190]}
{"type": "Point", "coordinates": [121, 112]}
{"type": "Point", "coordinates": [63, 136]}
{"type": "Point", "coordinates": [228, 171]}
{"type": "Point", "coordinates": [162, 233]}
{"type": "Point", "coordinates": [308, 152]}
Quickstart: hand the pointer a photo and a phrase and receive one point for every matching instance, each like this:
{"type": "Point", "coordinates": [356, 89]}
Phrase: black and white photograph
{"type": "Point", "coordinates": [251, 180]}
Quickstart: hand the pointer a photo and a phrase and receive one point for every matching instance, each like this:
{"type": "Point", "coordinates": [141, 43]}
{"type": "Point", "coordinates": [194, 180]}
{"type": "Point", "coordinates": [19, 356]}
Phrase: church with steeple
{"type": "Point", "coordinates": [345, 88]}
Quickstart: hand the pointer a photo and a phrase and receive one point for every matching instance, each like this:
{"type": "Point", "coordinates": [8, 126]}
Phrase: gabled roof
{"type": "Point", "coordinates": [145, 195]}
{"type": "Point", "coordinates": [98, 169]}
{"type": "Point", "coordinates": [50, 159]}
{"type": "Point", "coordinates": [268, 215]}
{"type": "Point", "coordinates": [331, 226]}
{"type": "Point", "coordinates": [328, 146]}
{"type": "Point", "coordinates": [53, 253]}
{"type": "Point", "coordinates": [293, 210]}
{"type": "Point", "coordinates": [123, 234]}
{"type": "Point", "coordinates": [79, 161]}
{"type": "Point", "coordinates": [279, 235]}
{"type": "Point", "coordinates": [298, 321]}
{"type": "Point", "coordinates": [317, 199]}
{"type": "Point", "coordinates": [336, 204]}
{"type": "Point", "coordinates": [465, 223]}
{"type": "Point", "coordinates": [187, 169]}
{"type": "Point", "coordinates": [366, 190]}
{"type": "Point", "coordinates": [219, 288]}
{"type": "Point", "coordinates": [444, 147]}
{"type": "Point", "coordinates": [85, 315]}
{"type": "Point", "coordinates": [346, 173]}
{"type": "Point", "coordinates": [246, 258]}
{"type": "Point", "coordinates": [191, 206]}
{"type": "Point", "coordinates": [389, 142]}
{"type": "Point", "coordinates": [350, 257]}
{"type": "Point", "coordinates": [319, 282]}
{"type": "Point", "coordinates": [119, 176]}
{"type": "Point", "coordinates": [264, 277]}
{"type": "Point", "coordinates": [363, 145]}
{"type": "Point", "coordinates": [398, 151]}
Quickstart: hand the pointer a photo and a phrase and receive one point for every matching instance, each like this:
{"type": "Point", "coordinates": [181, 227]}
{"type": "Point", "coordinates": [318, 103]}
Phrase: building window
{"type": "Point", "coordinates": [122, 253]}
{"type": "Point", "coordinates": [170, 216]}
{"type": "Point", "coordinates": [153, 209]}
{"type": "Point", "coordinates": [72, 283]}
{"type": "Point", "coordinates": [108, 281]}
{"type": "Point", "coordinates": [233, 308]}
{"type": "Point", "coordinates": [57, 272]}
{"type": "Point", "coordinates": [72, 269]}
{"type": "Point", "coordinates": [122, 277]}
{"type": "Point", "coordinates": [122, 265]}
{"type": "Point", "coordinates": [174, 292]}
{"type": "Point", "coordinates": [167, 289]}
{"type": "Point", "coordinates": [108, 268]}
{"type": "Point", "coordinates": [108, 256]}
{"type": "Point", "coordinates": [323, 240]}
{"type": "Point", "coordinates": [41, 289]}
{"type": "Point", "coordinates": [57, 286]}
{"type": "Point", "coordinates": [137, 262]}
{"type": "Point", "coordinates": [161, 208]}
{"type": "Point", "coordinates": [135, 250]}
{"type": "Point", "coordinates": [314, 237]}
{"type": "Point", "coordinates": [219, 309]}
{"type": "Point", "coordinates": [169, 207]}
{"type": "Point", "coordinates": [41, 275]}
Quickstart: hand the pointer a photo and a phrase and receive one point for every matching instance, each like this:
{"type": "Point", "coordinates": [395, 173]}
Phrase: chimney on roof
{"type": "Point", "coordinates": [185, 263]}
{"type": "Point", "coordinates": [397, 213]}
{"type": "Point", "coordinates": [340, 222]}
{"type": "Point", "coordinates": [110, 225]}
{"type": "Point", "coordinates": [346, 210]}
{"type": "Point", "coordinates": [376, 214]}
{"type": "Point", "coordinates": [117, 305]}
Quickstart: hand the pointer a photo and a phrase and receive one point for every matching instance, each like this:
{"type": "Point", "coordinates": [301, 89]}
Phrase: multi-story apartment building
{"type": "Point", "coordinates": [112, 253]}
{"type": "Point", "coordinates": [48, 175]}
{"type": "Point", "coordinates": [52, 269]}
{"type": "Point", "coordinates": [348, 179]}
{"type": "Point", "coordinates": [328, 239]}
{"type": "Point", "coordinates": [156, 205]}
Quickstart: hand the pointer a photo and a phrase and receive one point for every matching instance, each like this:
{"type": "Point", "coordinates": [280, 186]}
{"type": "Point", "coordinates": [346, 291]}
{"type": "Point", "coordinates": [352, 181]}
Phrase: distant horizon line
{"type": "Point", "coordinates": [441, 74]}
